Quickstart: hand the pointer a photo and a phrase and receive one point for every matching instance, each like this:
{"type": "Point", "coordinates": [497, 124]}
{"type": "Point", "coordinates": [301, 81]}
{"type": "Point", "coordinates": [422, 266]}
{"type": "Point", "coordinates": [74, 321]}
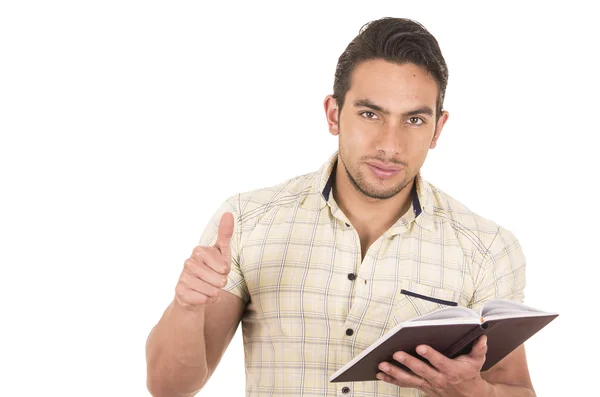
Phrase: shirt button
{"type": "Point", "coordinates": [349, 332]}
{"type": "Point", "coordinates": [351, 276]}
{"type": "Point", "coordinates": [345, 390]}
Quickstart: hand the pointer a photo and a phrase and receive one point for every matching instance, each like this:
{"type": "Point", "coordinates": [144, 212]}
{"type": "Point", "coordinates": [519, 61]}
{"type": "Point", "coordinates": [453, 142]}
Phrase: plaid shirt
{"type": "Point", "coordinates": [313, 305]}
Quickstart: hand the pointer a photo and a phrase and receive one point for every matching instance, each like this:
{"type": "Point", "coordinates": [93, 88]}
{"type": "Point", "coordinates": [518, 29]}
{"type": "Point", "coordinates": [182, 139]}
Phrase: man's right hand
{"type": "Point", "coordinates": [205, 271]}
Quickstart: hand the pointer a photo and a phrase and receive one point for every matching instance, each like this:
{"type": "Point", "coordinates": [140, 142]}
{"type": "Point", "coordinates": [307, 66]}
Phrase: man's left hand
{"type": "Point", "coordinates": [445, 377]}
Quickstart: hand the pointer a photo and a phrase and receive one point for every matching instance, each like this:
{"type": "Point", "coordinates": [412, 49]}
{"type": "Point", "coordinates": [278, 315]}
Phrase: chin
{"type": "Point", "coordinates": [390, 190]}
{"type": "Point", "coordinates": [376, 191]}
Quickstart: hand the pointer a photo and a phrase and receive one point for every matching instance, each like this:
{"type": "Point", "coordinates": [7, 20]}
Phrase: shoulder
{"type": "Point", "coordinates": [473, 230]}
{"type": "Point", "coordinates": [251, 205]}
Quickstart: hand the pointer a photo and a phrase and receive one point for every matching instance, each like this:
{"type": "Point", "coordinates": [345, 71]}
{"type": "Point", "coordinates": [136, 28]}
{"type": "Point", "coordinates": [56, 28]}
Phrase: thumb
{"type": "Point", "coordinates": [223, 243]}
{"type": "Point", "coordinates": [479, 350]}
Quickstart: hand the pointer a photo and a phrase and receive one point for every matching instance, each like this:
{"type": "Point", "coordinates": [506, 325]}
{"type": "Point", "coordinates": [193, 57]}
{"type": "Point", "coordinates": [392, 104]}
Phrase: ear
{"type": "Point", "coordinates": [331, 113]}
{"type": "Point", "coordinates": [438, 128]}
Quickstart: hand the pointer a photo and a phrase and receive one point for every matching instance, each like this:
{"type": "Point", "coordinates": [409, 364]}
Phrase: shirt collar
{"type": "Point", "coordinates": [420, 211]}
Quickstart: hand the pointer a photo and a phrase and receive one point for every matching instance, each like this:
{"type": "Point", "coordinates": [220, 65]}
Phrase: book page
{"type": "Point", "coordinates": [447, 313]}
{"type": "Point", "coordinates": [506, 307]}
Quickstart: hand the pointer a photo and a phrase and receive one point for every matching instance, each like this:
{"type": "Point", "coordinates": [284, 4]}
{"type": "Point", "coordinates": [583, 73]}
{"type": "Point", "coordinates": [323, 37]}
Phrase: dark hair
{"type": "Point", "coordinates": [396, 40]}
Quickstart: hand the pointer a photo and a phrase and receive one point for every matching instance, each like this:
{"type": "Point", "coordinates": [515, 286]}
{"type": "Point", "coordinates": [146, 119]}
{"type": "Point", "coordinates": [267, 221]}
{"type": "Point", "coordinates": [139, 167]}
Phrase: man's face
{"type": "Point", "coordinates": [386, 127]}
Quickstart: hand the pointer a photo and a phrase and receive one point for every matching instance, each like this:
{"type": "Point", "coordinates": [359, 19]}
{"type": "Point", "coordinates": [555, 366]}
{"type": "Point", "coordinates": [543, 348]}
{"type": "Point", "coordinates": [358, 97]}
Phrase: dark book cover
{"type": "Point", "coordinates": [504, 335]}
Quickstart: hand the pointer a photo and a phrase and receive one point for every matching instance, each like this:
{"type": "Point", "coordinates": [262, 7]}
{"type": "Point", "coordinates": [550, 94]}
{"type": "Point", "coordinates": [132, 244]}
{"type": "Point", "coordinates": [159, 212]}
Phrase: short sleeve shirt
{"type": "Point", "coordinates": [313, 304]}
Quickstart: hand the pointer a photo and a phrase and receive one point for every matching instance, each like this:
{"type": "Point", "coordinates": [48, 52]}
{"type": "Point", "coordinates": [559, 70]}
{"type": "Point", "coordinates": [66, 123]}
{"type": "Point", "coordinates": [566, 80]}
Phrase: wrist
{"type": "Point", "coordinates": [187, 310]}
{"type": "Point", "coordinates": [478, 387]}
{"type": "Point", "coordinates": [485, 388]}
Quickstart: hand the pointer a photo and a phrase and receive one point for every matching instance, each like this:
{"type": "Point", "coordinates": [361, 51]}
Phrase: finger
{"type": "Point", "coordinates": [388, 379]}
{"type": "Point", "coordinates": [435, 358]}
{"type": "Point", "coordinates": [404, 378]}
{"type": "Point", "coordinates": [225, 232]}
{"type": "Point", "coordinates": [212, 258]}
{"type": "Point", "coordinates": [191, 299]}
{"type": "Point", "coordinates": [205, 273]}
{"type": "Point", "coordinates": [193, 283]}
{"type": "Point", "coordinates": [418, 367]}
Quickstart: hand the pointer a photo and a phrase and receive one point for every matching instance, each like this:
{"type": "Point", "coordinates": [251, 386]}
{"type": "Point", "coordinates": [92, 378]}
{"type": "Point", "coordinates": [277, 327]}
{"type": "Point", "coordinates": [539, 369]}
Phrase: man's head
{"type": "Point", "coordinates": [394, 40]}
{"type": "Point", "coordinates": [387, 104]}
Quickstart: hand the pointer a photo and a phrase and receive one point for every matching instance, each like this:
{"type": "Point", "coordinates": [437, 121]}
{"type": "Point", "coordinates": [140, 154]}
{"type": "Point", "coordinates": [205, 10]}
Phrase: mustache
{"type": "Point", "coordinates": [384, 160]}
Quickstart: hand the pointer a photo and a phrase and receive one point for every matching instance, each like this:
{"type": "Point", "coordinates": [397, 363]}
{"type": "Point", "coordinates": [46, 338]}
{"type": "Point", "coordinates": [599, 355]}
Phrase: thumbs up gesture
{"type": "Point", "coordinates": [205, 271]}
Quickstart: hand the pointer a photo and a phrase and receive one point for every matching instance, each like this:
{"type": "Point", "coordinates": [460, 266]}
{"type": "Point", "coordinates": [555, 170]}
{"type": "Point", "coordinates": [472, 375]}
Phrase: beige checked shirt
{"type": "Point", "coordinates": [312, 305]}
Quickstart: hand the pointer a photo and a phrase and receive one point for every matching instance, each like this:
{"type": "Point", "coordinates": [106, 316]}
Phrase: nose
{"type": "Point", "coordinates": [388, 139]}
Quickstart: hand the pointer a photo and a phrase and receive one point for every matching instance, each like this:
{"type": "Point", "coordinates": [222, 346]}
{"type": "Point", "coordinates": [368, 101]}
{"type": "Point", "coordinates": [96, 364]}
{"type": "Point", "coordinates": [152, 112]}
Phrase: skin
{"type": "Point", "coordinates": [388, 117]}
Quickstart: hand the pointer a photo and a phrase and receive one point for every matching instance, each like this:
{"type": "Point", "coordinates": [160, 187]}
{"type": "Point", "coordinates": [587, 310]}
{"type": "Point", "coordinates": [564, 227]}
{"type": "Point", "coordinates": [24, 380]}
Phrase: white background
{"type": "Point", "coordinates": [125, 124]}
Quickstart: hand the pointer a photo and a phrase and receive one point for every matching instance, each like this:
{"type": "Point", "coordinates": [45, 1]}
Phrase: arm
{"type": "Point", "coordinates": [510, 376]}
{"type": "Point", "coordinates": [183, 350]}
{"type": "Point", "coordinates": [502, 276]}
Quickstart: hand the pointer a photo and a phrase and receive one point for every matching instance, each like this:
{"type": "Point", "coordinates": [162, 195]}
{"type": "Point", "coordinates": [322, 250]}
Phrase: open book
{"type": "Point", "coordinates": [452, 332]}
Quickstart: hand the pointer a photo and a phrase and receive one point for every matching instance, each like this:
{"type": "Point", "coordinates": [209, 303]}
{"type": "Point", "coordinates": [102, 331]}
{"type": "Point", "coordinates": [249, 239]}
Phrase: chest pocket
{"type": "Point", "coordinates": [415, 300]}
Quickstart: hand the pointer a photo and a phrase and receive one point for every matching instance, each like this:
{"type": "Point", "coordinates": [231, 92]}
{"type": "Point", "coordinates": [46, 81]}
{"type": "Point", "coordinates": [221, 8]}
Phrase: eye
{"type": "Point", "coordinates": [416, 121]}
{"type": "Point", "coordinates": [369, 115]}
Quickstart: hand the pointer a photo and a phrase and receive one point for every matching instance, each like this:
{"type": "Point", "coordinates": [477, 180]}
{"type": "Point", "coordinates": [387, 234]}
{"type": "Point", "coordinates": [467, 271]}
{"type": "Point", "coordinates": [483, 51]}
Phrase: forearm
{"type": "Point", "coordinates": [503, 390]}
{"type": "Point", "coordinates": [176, 354]}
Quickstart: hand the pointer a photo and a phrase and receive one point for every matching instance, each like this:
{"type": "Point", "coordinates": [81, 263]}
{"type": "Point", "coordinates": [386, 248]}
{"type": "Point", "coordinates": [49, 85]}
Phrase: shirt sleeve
{"type": "Point", "coordinates": [236, 283]}
{"type": "Point", "coordinates": [502, 274]}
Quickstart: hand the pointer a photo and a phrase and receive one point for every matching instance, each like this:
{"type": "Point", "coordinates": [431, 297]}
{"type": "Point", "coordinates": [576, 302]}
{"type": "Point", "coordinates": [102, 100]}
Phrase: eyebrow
{"type": "Point", "coordinates": [366, 103]}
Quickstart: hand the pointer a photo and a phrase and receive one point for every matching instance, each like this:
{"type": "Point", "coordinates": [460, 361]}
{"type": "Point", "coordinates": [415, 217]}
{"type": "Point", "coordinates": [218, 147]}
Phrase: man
{"type": "Point", "coordinates": [316, 268]}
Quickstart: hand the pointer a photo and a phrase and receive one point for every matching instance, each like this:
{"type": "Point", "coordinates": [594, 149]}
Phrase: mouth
{"type": "Point", "coordinates": [384, 171]}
